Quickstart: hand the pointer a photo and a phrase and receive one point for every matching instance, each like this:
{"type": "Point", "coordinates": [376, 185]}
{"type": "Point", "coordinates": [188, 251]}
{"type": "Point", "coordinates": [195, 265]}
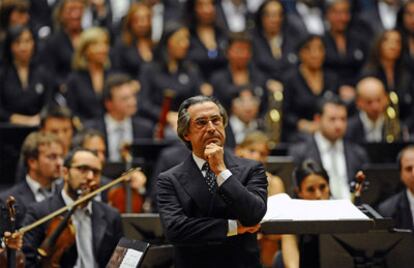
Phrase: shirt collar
{"type": "Point", "coordinates": [324, 145]}
{"type": "Point", "coordinates": [199, 161]}
{"type": "Point", "coordinates": [368, 123]}
{"type": "Point", "coordinates": [113, 124]}
{"type": "Point", "coordinates": [36, 187]}
{"type": "Point", "coordinates": [69, 201]}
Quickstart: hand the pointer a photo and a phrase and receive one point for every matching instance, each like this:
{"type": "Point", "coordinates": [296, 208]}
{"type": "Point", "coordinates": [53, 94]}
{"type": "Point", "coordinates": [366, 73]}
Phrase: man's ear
{"type": "Point", "coordinates": [31, 162]}
{"type": "Point", "coordinates": [186, 137]}
{"type": "Point", "coordinates": [317, 118]}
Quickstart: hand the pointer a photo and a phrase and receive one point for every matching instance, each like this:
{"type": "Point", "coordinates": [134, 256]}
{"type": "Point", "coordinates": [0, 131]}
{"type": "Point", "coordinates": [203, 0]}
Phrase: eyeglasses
{"type": "Point", "coordinates": [84, 169]}
{"type": "Point", "coordinates": [216, 120]}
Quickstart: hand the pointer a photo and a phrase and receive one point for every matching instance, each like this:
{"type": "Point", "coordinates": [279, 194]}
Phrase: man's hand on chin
{"type": "Point", "coordinates": [214, 154]}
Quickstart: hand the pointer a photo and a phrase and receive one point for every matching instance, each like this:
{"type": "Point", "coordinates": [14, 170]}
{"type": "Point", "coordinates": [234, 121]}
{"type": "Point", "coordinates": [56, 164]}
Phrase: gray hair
{"type": "Point", "coordinates": [183, 122]}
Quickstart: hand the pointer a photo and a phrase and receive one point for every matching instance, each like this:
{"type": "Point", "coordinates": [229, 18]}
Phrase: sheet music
{"type": "Point", "coordinates": [282, 207]}
{"type": "Point", "coordinates": [131, 259]}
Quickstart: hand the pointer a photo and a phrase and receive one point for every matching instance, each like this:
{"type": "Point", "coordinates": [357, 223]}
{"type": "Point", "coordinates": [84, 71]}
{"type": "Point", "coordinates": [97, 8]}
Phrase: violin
{"type": "Point", "coordinates": [13, 258]}
{"type": "Point", "coordinates": [357, 187]}
{"type": "Point", "coordinates": [60, 235]}
{"type": "Point", "coordinates": [123, 197]}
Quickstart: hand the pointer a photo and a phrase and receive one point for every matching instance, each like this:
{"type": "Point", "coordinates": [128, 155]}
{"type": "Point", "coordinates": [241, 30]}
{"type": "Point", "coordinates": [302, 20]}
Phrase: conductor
{"type": "Point", "coordinates": [211, 204]}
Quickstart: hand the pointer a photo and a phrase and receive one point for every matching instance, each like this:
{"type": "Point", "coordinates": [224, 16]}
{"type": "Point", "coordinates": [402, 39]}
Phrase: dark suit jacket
{"type": "Point", "coordinates": [196, 221]}
{"type": "Point", "coordinates": [106, 231]}
{"type": "Point", "coordinates": [355, 156]}
{"type": "Point", "coordinates": [142, 128]}
{"type": "Point", "coordinates": [398, 208]}
{"type": "Point", "coordinates": [24, 198]}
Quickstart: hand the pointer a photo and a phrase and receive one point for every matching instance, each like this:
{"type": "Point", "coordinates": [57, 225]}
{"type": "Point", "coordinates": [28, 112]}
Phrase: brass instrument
{"type": "Point", "coordinates": [273, 117]}
{"type": "Point", "coordinates": [392, 125]}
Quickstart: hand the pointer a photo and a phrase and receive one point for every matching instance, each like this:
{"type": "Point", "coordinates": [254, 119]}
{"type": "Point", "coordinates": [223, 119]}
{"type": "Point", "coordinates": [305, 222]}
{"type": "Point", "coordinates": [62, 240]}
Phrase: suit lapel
{"type": "Point", "coordinates": [99, 226]}
{"type": "Point", "coordinates": [405, 212]}
{"type": "Point", "coordinates": [193, 183]}
{"type": "Point", "coordinates": [314, 151]}
{"type": "Point", "coordinates": [348, 159]}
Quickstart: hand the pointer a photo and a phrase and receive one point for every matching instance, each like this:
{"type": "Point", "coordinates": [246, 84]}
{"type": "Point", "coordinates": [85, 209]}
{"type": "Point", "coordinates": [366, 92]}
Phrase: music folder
{"type": "Point", "coordinates": [294, 216]}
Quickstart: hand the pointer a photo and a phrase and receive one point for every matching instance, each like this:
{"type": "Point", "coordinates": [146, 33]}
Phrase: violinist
{"type": "Point", "coordinates": [98, 226]}
{"type": "Point", "coordinates": [43, 159]}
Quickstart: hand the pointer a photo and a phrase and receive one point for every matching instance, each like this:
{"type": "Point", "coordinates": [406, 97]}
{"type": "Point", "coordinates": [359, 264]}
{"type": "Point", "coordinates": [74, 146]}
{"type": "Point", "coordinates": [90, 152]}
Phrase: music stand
{"type": "Point", "coordinates": [382, 152]}
{"type": "Point", "coordinates": [147, 227]}
{"type": "Point", "coordinates": [383, 181]}
{"type": "Point", "coordinates": [128, 253]}
{"type": "Point", "coordinates": [143, 226]}
{"type": "Point", "coordinates": [372, 249]}
{"type": "Point", "coordinates": [282, 166]}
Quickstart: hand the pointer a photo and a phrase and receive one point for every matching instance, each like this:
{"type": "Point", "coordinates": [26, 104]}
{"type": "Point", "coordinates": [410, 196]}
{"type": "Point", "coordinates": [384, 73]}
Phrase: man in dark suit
{"type": "Point", "coordinates": [43, 157]}
{"type": "Point", "coordinates": [341, 159]}
{"type": "Point", "coordinates": [210, 204]}
{"type": "Point", "coordinates": [401, 205]}
{"type": "Point", "coordinates": [98, 226]}
{"type": "Point", "coordinates": [119, 124]}
{"type": "Point", "coordinates": [369, 124]}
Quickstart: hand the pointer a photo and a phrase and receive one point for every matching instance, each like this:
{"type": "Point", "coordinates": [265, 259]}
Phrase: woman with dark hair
{"type": "Point", "coordinates": [135, 47]}
{"type": "Point", "coordinates": [405, 25]}
{"type": "Point", "coordinates": [312, 183]}
{"type": "Point", "coordinates": [346, 50]}
{"type": "Point", "coordinates": [207, 41]}
{"type": "Point", "coordinates": [91, 66]}
{"type": "Point", "coordinates": [304, 87]}
{"type": "Point", "coordinates": [241, 73]}
{"type": "Point", "coordinates": [273, 47]}
{"type": "Point", "coordinates": [25, 86]}
{"type": "Point", "coordinates": [169, 74]}
{"type": "Point", "coordinates": [386, 63]}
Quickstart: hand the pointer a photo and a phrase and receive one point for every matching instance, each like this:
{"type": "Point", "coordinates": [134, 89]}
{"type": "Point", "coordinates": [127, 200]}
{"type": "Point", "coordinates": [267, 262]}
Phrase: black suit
{"type": "Point", "coordinates": [24, 198]}
{"type": "Point", "coordinates": [196, 221]}
{"type": "Point", "coordinates": [355, 156]}
{"type": "Point", "coordinates": [398, 208]}
{"type": "Point", "coordinates": [106, 231]}
{"type": "Point", "coordinates": [142, 128]}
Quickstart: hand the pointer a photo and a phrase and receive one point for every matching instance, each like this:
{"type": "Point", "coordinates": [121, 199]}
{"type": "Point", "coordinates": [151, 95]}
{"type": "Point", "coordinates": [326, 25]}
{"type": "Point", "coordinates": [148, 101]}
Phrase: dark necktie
{"type": "Point", "coordinates": [210, 178]}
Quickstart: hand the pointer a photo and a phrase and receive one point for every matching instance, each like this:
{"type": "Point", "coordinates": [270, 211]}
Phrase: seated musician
{"type": "Point", "coordinates": [43, 156]}
{"type": "Point", "coordinates": [400, 206]}
{"type": "Point", "coordinates": [98, 226]}
{"type": "Point", "coordinates": [312, 183]}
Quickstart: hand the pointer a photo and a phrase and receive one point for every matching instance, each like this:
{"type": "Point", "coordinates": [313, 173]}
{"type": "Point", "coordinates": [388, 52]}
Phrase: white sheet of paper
{"type": "Point", "coordinates": [131, 259]}
{"type": "Point", "coordinates": [282, 207]}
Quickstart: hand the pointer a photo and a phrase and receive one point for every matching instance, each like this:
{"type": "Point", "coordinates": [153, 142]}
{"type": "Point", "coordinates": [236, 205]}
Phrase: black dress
{"type": "Point", "coordinates": [81, 96]}
{"type": "Point", "coordinates": [155, 79]}
{"type": "Point", "coordinates": [14, 98]}
{"type": "Point", "coordinates": [300, 102]}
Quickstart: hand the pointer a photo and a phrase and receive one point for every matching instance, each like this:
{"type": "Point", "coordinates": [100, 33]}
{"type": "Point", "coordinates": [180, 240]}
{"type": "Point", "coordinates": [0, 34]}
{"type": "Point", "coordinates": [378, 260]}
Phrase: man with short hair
{"type": "Point", "coordinates": [120, 124]}
{"type": "Point", "coordinates": [43, 157]}
{"type": "Point", "coordinates": [98, 226]}
{"type": "Point", "coordinates": [400, 206]}
{"type": "Point", "coordinates": [211, 204]}
{"type": "Point", "coordinates": [341, 159]}
{"type": "Point", "coordinates": [59, 121]}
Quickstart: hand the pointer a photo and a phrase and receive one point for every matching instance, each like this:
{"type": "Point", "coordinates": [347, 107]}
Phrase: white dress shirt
{"type": "Point", "coordinates": [221, 178]}
{"type": "Point", "coordinates": [373, 130]}
{"type": "Point", "coordinates": [82, 220]}
{"type": "Point", "coordinates": [312, 17]}
{"type": "Point", "coordinates": [116, 137]}
{"type": "Point", "coordinates": [235, 15]}
{"type": "Point", "coordinates": [388, 15]}
{"type": "Point", "coordinates": [410, 197]}
{"type": "Point", "coordinates": [240, 129]}
{"type": "Point", "coordinates": [333, 160]}
{"type": "Point", "coordinates": [38, 191]}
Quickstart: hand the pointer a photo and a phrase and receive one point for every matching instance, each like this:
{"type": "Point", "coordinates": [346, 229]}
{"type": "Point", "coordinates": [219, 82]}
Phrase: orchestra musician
{"type": "Point", "coordinates": [98, 226]}
{"type": "Point", "coordinates": [210, 205]}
